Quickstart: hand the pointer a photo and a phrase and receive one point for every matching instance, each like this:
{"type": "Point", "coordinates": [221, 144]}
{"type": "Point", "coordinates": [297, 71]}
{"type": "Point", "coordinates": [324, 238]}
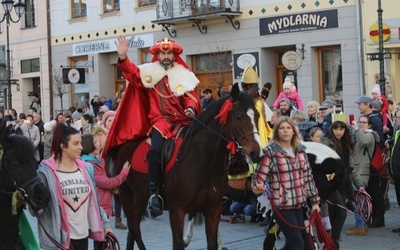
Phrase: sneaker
{"type": "Point", "coordinates": [356, 231]}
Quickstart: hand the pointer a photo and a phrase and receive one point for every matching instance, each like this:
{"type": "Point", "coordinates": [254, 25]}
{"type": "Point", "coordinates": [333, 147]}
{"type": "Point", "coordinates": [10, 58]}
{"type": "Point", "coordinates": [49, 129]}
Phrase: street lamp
{"type": "Point", "coordinates": [382, 79]}
{"type": "Point", "coordinates": [19, 10]}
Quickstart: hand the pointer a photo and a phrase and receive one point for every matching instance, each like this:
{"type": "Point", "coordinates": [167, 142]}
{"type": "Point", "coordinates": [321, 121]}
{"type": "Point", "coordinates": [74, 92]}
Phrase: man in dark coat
{"type": "Point", "coordinates": [208, 98]}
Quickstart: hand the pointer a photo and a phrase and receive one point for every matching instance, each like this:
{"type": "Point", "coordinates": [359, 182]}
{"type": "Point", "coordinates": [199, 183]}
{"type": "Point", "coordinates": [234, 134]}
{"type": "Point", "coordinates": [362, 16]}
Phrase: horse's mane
{"type": "Point", "coordinates": [209, 114]}
{"type": "Point", "coordinates": [19, 149]}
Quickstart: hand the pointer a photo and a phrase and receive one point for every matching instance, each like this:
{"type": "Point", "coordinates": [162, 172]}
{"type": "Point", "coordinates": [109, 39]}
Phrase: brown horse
{"type": "Point", "coordinates": [198, 178]}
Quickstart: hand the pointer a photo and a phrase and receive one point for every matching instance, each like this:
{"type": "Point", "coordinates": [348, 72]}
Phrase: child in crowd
{"type": "Point", "coordinates": [377, 96]}
{"type": "Point", "coordinates": [290, 92]}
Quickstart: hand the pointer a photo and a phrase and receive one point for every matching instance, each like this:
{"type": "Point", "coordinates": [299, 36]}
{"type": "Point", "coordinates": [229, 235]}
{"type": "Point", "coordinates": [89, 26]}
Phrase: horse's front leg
{"type": "Point", "coordinates": [189, 231]}
{"type": "Point", "coordinates": [133, 209]}
{"type": "Point", "coordinates": [212, 218]}
{"type": "Point", "coordinates": [176, 220]}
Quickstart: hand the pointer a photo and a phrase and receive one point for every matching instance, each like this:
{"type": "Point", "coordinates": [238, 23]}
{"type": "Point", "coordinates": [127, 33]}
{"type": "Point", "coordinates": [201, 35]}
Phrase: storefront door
{"type": "Point", "coordinates": [282, 74]}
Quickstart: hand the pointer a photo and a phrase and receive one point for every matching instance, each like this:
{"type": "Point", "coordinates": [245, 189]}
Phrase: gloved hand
{"type": "Point", "coordinates": [190, 112]}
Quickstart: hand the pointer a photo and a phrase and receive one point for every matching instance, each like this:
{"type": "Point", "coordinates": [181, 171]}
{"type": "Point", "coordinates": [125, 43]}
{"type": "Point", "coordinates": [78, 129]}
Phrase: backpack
{"type": "Point", "coordinates": [377, 159]}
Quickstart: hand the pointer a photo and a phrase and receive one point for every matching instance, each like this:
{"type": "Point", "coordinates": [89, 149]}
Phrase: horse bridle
{"type": "Point", "coordinates": [236, 126]}
{"type": "Point", "coordinates": [234, 122]}
{"type": "Point", "coordinates": [24, 188]}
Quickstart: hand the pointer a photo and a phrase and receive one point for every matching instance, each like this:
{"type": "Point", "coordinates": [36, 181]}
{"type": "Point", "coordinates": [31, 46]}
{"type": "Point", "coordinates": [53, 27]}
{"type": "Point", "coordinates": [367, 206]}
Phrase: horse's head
{"type": "Point", "coordinates": [19, 164]}
{"type": "Point", "coordinates": [242, 123]}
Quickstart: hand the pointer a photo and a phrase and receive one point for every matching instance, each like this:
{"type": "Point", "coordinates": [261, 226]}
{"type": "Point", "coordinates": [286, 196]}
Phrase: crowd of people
{"type": "Point", "coordinates": [68, 152]}
{"type": "Point", "coordinates": [354, 141]}
{"type": "Point", "coordinates": [70, 147]}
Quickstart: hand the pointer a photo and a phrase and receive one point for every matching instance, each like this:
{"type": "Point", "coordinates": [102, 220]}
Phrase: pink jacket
{"type": "Point", "coordinates": [294, 97]}
{"type": "Point", "coordinates": [59, 219]}
{"type": "Point", "coordinates": [104, 184]}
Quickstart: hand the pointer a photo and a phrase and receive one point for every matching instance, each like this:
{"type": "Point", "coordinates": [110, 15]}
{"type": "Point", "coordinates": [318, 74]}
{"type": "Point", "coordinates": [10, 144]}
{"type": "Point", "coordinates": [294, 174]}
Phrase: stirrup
{"type": "Point", "coordinates": [156, 196]}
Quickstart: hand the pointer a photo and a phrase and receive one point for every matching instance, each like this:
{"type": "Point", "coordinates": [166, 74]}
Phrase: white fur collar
{"type": "Point", "coordinates": [180, 79]}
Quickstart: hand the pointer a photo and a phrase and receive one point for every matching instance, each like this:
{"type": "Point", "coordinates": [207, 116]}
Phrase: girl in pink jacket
{"type": "Point", "coordinates": [289, 91]}
{"type": "Point", "coordinates": [104, 184]}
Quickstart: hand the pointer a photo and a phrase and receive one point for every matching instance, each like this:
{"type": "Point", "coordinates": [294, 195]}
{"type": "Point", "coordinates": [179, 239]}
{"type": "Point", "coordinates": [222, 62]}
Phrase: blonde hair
{"type": "Point", "coordinates": [298, 114]}
{"type": "Point", "coordinates": [296, 137]}
{"type": "Point", "coordinates": [97, 130]}
{"type": "Point", "coordinates": [315, 104]}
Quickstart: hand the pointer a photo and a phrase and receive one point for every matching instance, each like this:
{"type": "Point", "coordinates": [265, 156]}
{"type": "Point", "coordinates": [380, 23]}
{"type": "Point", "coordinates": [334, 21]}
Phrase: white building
{"type": "Point", "coordinates": [324, 33]}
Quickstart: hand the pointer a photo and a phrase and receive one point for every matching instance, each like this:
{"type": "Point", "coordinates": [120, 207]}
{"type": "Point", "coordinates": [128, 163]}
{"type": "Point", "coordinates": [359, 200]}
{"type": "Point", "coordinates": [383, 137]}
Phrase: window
{"type": "Point", "coordinates": [213, 70]}
{"type": "Point", "coordinates": [146, 2]}
{"type": "Point", "coordinates": [30, 65]}
{"type": "Point", "coordinates": [81, 91]}
{"type": "Point", "coordinates": [110, 5]}
{"type": "Point", "coordinates": [145, 55]}
{"type": "Point", "coordinates": [29, 13]}
{"type": "Point", "coordinates": [331, 73]}
{"type": "Point", "coordinates": [213, 62]}
{"type": "Point", "coordinates": [78, 8]}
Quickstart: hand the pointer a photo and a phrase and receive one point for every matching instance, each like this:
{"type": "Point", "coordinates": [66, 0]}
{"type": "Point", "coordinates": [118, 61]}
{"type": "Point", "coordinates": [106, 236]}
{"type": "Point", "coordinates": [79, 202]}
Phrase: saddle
{"type": "Point", "coordinates": [168, 149]}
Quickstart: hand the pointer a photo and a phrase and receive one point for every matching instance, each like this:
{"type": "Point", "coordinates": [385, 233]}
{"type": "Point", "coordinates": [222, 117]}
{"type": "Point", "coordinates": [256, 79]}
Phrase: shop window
{"type": "Point", "coordinates": [30, 65]}
{"type": "Point", "coordinates": [120, 82]}
{"type": "Point", "coordinates": [213, 62]}
{"type": "Point", "coordinates": [29, 14]}
{"type": "Point", "coordinates": [111, 5]}
{"type": "Point", "coordinates": [81, 91]}
{"type": "Point", "coordinates": [78, 8]}
{"type": "Point", "coordinates": [146, 2]}
{"type": "Point", "coordinates": [214, 70]}
{"type": "Point", "coordinates": [331, 73]}
{"type": "Point", "coordinates": [145, 56]}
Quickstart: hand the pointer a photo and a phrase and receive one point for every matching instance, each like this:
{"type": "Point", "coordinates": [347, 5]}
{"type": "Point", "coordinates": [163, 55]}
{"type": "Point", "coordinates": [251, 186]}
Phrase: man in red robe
{"type": "Point", "coordinates": [164, 90]}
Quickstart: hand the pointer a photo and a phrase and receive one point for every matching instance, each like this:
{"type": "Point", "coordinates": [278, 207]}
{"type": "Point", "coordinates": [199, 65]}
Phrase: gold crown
{"type": "Point", "coordinates": [250, 76]}
{"type": "Point", "coordinates": [166, 45]}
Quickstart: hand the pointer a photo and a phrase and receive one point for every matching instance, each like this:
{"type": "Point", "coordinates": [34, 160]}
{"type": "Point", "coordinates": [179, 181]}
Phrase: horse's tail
{"type": "Point", "coordinates": [197, 218]}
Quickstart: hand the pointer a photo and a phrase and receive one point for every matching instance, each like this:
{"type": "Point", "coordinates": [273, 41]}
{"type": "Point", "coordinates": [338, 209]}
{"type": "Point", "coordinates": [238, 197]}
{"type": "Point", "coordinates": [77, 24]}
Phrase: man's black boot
{"type": "Point", "coordinates": [155, 201]}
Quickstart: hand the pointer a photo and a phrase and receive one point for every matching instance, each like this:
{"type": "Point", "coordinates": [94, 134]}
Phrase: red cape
{"type": "Point", "coordinates": [131, 121]}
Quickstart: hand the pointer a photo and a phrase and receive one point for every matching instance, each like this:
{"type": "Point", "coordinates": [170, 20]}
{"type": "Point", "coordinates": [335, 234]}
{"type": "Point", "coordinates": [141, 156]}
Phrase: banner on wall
{"type": "Point", "coordinates": [299, 22]}
{"type": "Point", "coordinates": [243, 60]}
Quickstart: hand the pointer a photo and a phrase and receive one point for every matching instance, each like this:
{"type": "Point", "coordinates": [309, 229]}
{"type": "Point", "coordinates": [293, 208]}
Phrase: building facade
{"type": "Point", "coordinates": [314, 43]}
{"type": "Point", "coordinates": [391, 45]}
{"type": "Point", "coordinates": [29, 57]}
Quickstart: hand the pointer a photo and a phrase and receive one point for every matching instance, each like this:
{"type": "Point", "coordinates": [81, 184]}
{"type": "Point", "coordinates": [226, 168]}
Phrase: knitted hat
{"type": "Point", "coordinates": [376, 89]}
{"type": "Point", "coordinates": [49, 126]}
{"type": "Point", "coordinates": [287, 84]}
{"type": "Point", "coordinates": [376, 104]}
{"type": "Point", "coordinates": [249, 76]}
{"type": "Point", "coordinates": [107, 114]}
{"type": "Point", "coordinates": [286, 100]}
{"type": "Point", "coordinates": [77, 114]}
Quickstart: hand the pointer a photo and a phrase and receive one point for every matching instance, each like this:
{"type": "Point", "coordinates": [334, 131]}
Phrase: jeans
{"type": "Point", "coordinates": [245, 208]}
{"type": "Point", "coordinates": [359, 221]}
{"type": "Point", "coordinates": [295, 239]}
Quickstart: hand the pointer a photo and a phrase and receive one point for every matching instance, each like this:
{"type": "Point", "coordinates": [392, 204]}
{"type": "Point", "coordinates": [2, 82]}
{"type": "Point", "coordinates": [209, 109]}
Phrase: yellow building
{"type": "Point", "coordinates": [391, 45]}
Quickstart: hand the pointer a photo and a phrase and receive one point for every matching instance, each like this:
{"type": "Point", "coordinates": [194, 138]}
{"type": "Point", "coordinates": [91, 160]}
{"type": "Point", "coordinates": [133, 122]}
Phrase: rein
{"type": "Point", "coordinates": [364, 205]}
{"type": "Point", "coordinates": [48, 235]}
{"type": "Point", "coordinates": [315, 219]}
{"type": "Point", "coordinates": [233, 146]}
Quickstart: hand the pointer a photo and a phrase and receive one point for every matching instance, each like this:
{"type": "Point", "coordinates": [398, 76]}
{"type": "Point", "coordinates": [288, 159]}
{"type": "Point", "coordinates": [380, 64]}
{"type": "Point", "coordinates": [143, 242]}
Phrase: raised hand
{"type": "Point", "coordinates": [122, 47]}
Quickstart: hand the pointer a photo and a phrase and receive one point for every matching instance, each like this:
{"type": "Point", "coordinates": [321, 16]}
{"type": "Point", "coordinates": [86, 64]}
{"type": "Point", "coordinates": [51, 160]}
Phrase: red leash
{"type": "Point", "coordinates": [315, 220]}
{"type": "Point", "coordinates": [364, 205]}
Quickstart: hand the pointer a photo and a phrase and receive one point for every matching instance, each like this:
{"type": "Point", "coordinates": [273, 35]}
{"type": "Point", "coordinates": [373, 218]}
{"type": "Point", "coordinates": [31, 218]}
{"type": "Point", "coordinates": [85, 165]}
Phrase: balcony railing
{"type": "Point", "coordinates": [170, 12]}
{"type": "Point", "coordinates": [183, 9]}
